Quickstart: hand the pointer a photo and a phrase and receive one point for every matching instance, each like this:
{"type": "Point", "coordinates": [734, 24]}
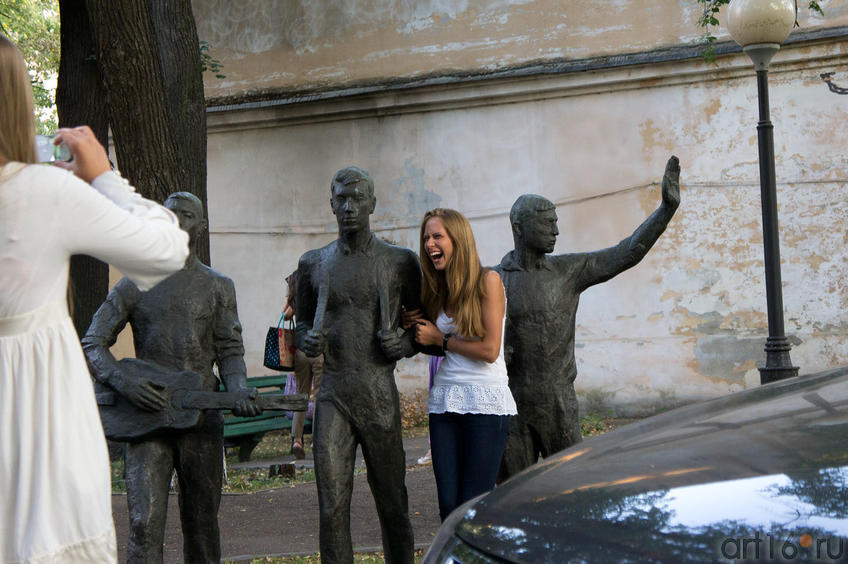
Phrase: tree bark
{"type": "Point", "coordinates": [179, 52]}
{"type": "Point", "coordinates": [149, 58]}
{"type": "Point", "coordinates": [81, 100]}
{"type": "Point", "coordinates": [134, 65]}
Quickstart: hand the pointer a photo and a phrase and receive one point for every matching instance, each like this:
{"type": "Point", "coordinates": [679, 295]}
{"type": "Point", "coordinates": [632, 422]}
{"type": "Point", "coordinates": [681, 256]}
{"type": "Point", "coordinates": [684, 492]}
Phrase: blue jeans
{"type": "Point", "coordinates": [467, 450]}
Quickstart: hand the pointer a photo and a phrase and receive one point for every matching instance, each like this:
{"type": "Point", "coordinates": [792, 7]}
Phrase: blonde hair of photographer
{"type": "Point", "coordinates": [17, 117]}
{"type": "Point", "coordinates": [460, 288]}
{"type": "Point", "coordinates": [17, 123]}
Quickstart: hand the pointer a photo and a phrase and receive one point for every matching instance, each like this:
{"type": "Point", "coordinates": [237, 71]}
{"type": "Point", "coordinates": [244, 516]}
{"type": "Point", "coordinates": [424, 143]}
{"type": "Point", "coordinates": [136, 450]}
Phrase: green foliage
{"type": "Point", "coordinates": [709, 21]}
{"type": "Point", "coordinates": [207, 63]}
{"type": "Point", "coordinates": [33, 25]}
{"type": "Point", "coordinates": [413, 410]}
{"type": "Point", "coordinates": [257, 479]}
{"type": "Point", "coordinates": [119, 484]}
{"type": "Point", "coordinates": [358, 558]}
{"type": "Point", "coordinates": [595, 423]}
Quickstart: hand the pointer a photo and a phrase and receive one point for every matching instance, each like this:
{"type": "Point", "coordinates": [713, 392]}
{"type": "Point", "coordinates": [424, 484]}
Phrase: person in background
{"type": "Point", "coordinates": [470, 403]}
{"type": "Point", "coordinates": [54, 466]}
{"type": "Point", "coordinates": [307, 371]}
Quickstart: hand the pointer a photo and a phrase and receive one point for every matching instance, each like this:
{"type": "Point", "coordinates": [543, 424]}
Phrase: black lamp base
{"type": "Point", "coordinates": [778, 364]}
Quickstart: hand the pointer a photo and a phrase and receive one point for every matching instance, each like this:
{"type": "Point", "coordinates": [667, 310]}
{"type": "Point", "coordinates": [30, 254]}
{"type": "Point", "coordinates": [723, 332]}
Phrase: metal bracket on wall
{"type": "Point", "coordinates": [830, 85]}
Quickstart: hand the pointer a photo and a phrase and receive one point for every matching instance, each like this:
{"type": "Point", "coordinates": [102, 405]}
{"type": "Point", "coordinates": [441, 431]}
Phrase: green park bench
{"type": "Point", "coordinates": [246, 432]}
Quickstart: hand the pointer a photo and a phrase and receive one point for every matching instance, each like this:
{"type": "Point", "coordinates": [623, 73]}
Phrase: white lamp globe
{"type": "Point", "coordinates": [760, 21]}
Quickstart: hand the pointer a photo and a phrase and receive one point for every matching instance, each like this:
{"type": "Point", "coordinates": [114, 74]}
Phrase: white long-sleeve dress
{"type": "Point", "coordinates": [55, 502]}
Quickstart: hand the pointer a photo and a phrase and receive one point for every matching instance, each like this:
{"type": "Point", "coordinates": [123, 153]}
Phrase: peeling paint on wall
{"type": "Point", "coordinates": [300, 44]}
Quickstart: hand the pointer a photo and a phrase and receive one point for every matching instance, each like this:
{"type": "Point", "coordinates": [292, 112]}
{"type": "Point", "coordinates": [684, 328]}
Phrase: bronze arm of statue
{"type": "Point", "coordinates": [647, 234]}
{"type": "Point", "coordinates": [109, 320]}
{"type": "Point", "coordinates": [607, 263]}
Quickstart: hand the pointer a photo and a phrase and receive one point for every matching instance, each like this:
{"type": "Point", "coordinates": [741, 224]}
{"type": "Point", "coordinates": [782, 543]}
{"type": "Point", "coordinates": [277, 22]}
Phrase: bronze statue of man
{"type": "Point", "coordinates": [543, 291]}
{"type": "Point", "coordinates": [349, 299]}
{"type": "Point", "coordinates": [189, 322]}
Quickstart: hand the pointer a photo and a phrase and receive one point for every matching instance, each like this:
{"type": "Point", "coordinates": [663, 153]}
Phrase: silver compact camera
{"type": "Point", "coordinates": [50, 153]}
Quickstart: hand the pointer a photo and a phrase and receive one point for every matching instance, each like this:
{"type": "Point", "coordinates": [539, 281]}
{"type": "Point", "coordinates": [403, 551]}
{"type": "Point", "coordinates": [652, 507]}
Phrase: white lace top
{"type": "Point", "coordinates": [463, 385]}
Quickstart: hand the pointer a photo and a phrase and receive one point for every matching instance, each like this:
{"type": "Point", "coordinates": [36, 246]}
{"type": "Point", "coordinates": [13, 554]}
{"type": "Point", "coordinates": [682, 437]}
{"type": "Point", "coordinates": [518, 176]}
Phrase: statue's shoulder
{"type": "Point", "coordinates": [312, 257]}
{"type": "Point", "coordinates": [392, 249]}
{"type": "Point", "coordinates": [208, 271]}
{"type": "Point", "coordinates": [396, 254]}
{"type": "Point", "coordinates": [217, 279]}
{"type": "Point", "coordinates": [571, 260]}
{"type": "Point", "coordinates": [124, 285]}
{"type": "Point", "coordinates": [563, 260]}
{"type": "Point", "coordinates": [126, 289]}
{"type": "Point", "coordinates": [309, 264]}
{"type": "Point", "coordinates": [507, 263]}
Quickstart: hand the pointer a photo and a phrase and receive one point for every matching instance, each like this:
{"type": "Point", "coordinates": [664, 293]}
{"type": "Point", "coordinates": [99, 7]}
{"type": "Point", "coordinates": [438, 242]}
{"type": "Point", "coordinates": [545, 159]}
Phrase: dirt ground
{"type": "Point", "coordinates": [284, 521]}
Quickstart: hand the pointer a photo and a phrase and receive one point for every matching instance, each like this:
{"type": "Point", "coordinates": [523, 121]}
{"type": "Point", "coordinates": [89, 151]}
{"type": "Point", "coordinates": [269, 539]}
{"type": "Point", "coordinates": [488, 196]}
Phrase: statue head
{"type": "Point", "coordinates": [189, 210]}
{"type": "Point", "coordinates": [352, 199]}
{"type": "Point", "coordinates": [534, 224]}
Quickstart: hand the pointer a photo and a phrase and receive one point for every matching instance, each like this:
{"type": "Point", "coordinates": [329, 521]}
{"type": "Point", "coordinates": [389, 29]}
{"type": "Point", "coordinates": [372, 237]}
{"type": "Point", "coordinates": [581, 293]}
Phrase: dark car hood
{"type": "Point", "coordinates": [770, 463]}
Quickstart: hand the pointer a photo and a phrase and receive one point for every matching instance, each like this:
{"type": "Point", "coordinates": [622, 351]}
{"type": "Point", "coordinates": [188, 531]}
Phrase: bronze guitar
{"type": "Point", "coordinates": [125, 422]}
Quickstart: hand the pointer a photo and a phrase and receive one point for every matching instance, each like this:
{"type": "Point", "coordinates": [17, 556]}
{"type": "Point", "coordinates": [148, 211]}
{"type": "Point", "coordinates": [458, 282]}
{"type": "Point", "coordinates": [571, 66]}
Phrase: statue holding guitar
{"type": "Point", "coordinates": [165, 402]}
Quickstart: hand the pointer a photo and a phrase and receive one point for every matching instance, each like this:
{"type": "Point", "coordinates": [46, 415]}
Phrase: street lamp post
{"type": "Point", "coordinates": [760, 26]}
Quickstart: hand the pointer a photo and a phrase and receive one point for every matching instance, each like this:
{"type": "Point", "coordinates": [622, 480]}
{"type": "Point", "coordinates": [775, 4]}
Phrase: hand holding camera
{"type": "Point", "coordinates": [88, 157]}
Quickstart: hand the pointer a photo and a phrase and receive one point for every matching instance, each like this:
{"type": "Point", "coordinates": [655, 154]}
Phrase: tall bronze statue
{"type": "Point", "coordinates": [181, 328]}
{"type": "Point", "coordinates": [543, 291]}
{"type": "Point", "coordinates": [349, 299]}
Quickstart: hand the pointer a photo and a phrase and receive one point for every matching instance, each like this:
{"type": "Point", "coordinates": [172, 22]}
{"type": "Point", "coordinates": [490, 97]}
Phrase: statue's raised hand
{"type": "Point", "coordinates": [671, 183]}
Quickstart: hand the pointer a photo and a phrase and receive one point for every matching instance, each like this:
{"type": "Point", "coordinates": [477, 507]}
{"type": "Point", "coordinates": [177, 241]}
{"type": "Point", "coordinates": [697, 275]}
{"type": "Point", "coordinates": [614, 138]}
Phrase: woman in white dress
{"type": "Point", "coordinates": [470, 402]}
{"type": "Point", "coordinates": [55, 503]}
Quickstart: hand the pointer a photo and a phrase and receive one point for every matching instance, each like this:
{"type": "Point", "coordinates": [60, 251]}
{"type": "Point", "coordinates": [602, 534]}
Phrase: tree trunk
{"type": "Point", "coordinates": [179, 55]}
{"type": "Point", "coordinates": [134, 65]}
{"type": "Point", "coordinates": [149, 58]}
{"type": "Point", "coordinates": [81, 100]}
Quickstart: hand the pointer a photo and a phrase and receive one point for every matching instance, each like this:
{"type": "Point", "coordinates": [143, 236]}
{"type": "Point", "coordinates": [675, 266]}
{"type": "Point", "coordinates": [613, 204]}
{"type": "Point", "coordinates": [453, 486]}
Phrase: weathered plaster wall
{"type": "Point", "coordinates": [689, 321]}
{"type": "Point", "coordinates": [291, 45]}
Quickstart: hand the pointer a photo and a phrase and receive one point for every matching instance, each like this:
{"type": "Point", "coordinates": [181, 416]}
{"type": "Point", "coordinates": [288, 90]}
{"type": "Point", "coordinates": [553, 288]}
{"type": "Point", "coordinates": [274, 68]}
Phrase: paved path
{"type": "Point", "coordinates": [285, 521]}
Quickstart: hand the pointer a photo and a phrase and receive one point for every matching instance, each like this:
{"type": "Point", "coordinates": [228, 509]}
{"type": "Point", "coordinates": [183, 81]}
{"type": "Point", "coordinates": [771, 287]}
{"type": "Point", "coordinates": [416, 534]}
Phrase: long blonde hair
{"type": "Point", "coordinates": [17, 121]}
{"type": "Point", "coordinates": [459, 288]}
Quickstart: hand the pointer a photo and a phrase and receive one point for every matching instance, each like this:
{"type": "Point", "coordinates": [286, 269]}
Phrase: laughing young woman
{"type": "Point", "coordinates": [470, 402]}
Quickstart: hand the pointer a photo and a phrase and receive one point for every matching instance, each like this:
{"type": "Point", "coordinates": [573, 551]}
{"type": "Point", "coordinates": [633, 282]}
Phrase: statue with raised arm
{"type": "Point", "coordinates": [181, 329]}
{"type": "Point", "coordinates": [543, 291]}
{"type": "Point", "coordinates": [349, 299]}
